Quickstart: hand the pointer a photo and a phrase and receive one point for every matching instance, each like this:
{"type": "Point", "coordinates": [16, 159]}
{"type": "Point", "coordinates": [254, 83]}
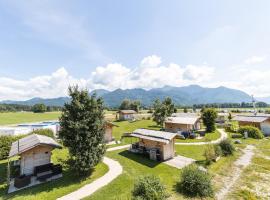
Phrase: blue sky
{"type": "Point", "coordinates": [47, 45]}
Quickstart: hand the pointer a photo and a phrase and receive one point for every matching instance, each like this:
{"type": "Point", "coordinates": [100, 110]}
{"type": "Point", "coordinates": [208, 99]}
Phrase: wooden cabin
{"type": "Point", "coordinates": [182, 123]}
{"type": "Point", "coordinates": [159, 145]}
{"type": "Point", "coordinates": [34, 150]}
{"type": "Point", "coordinates": [261, 122]}
{"type": "Point", "coordinates": [108, 137]}
{"type": "Point", "coordinates": [34, 164]}
{"type": "Point", "coordinates": [125, 115]}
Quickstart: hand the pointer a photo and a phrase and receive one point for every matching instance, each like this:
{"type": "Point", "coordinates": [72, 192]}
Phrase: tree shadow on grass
{"type": "Point", "coordinates": [139, 158]}
{"type": "Point", "coordinates": [154, 127]}
{"type": "Point", "coordinates": [70, 177]}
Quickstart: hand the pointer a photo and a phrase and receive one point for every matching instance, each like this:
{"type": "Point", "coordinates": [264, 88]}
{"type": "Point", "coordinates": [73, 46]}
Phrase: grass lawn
{"type": "Point", "coordinates": [193, 151]}
{"type": "Point", "coordinates": [23, 117]}
{"type": "Point", "coordinates": [208, 137]}
{"type": "Point", "coordinates": [133, 167]}
{"type": "Point", "coordinates": [51, 190]}
{"type": "Point", "coordinates": [127, 127]}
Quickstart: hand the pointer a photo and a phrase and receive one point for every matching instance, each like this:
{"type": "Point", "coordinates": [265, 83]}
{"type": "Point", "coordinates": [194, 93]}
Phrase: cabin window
{"type": "Point", "coordinates": [46, 152]}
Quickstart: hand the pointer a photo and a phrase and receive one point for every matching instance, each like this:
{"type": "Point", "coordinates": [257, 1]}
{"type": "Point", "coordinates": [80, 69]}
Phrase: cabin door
{"type": "Point", "coordinates": [28, 165]}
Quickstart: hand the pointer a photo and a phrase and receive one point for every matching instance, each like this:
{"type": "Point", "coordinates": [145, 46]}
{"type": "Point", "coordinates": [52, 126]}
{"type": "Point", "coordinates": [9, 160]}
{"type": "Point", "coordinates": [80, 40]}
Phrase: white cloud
{"type": "Point", "coordinates": [149, 74]}
{"type": "Point", "coordinates": [255, 60]}
{"type": "Point", "coordinates": [50, 86]}
{"type": "Point", "coordinates": [151, 61]}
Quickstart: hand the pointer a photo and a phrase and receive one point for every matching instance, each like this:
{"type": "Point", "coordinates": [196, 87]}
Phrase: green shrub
{"type": "Point", "coordinates": [46, 132]}
{"type": "Point", "coordinates": [5, 145]}
{"type": "Point", "coordinates": [149, 188]}
{"type": "Point", "coordinates": [252, 131]}
{"type": "Point", "coordinates": [195, 182]}
{"type": "Point", "coordinates": [237, 135]}
{"type": "Point", "coordinates": [210, 154]}
{"type": "Point", "coordinates": [218, 150]}
{"type": "Point", "coordinates": [227, 147]}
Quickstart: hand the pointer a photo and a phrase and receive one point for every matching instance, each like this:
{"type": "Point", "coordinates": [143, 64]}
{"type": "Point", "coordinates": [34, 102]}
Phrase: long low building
{"type": "Point", "coordinates": [262, 122]}
{"type": "Point", "coordinates": [23, 129]}
{"type": "Point", "coordinates": [159, 145]}
{"type": "Point", "coordinates": [14, 131]}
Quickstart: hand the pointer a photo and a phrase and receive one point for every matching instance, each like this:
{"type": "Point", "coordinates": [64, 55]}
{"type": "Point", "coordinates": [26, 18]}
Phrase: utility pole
{"type": "Point", "coordinates": [254, 105]}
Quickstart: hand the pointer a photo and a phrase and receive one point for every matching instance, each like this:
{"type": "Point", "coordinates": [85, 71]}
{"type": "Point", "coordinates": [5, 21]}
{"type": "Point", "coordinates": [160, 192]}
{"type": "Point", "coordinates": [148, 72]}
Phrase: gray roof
{"type": "Point", "coordinates": [253, 118]}
{"type": "Point", "coordinates": [182, 120]}
{"type": "Point", "coordinates": [128, 111]}
{"type": "Point", "coordinates": [31, 142]}
{"type": "Point", "coordinates": [185, 115]}
{"type": "Point", "coordinates": [159, 136]}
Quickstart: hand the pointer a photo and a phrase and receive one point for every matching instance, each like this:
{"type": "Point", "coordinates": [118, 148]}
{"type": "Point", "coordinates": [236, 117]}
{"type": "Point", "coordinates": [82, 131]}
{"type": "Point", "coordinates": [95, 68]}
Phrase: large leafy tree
{"type": "Point", "coordinates": [39, 108]}
{"type": "Point", "coordinates": [130, 105]}
{"type": "Point", "coordinates": [82, 129]}
{"type": "Point", "coordinates": [162, 110]}
{"type": "Point", "coordinates": [209, 116]}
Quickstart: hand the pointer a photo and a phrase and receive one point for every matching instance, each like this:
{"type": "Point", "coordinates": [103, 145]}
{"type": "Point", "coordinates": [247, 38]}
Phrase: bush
{"type": "Point", "coordinates": [227, 147]}
{"type": "Point", "coordinates": [149, 188]}
{"type": "Point", "coordinates": [195, 182]}
{"type": "Point", "coordinates": [210, 154]}
{"type": "Point", "coordinates": [237, 135]}
{"type": "Point", "coordinates": [46, 132]}
{"type": "Point", "coordinates": [5, 145]}
{"type": "Point", "coordinates": [252, 131]}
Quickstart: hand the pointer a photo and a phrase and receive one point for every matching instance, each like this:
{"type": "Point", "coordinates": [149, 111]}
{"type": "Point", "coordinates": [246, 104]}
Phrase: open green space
{"type": "Point", "coordinates": [127, 127]}
{"type": "Point", "coordinates": [54, 189]}
{"type": "Point", "coordinates": [23, 117]}
{"type": "Point", "coordinates": [208, 137]}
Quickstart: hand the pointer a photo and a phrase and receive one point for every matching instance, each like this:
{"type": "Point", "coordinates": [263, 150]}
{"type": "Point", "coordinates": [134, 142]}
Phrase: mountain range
{"type": "Point", "coordinates": [187, 95]}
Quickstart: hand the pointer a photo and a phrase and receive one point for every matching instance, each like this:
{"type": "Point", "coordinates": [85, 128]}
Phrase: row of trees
{"type": "Point", "coordinates": [230, 105]}
{"type": "Point", "coordinates": [130, 105]}
{"type": "Point", "coordinates": [35, 108]}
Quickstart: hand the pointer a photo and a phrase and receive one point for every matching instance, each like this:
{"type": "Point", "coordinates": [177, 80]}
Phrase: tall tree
{"type": "Point", "coordinates": [125, 105]}
{"type": "Point", "coordinates": [39, 108]}
{"type": "Point", "coordinates": [209, 116]}
{"type": "Point", "coordinates": [82, 129]}
{"type": "Point", "coordinates": [162, 110]}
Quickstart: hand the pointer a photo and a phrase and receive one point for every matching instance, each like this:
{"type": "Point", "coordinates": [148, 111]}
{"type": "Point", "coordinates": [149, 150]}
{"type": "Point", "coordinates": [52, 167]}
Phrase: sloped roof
{"type": "Point", "coordinates": [30, 142]}
{"type": "Point", "coordinates": [185, 115]}
{"type": "Point", "coordinates": [253, 118]}
{"type": "Point", "coordinates": [128, 111]}
{"type": "Point", "coordinates": [182, 120]}
{"type": "Point", "coordinates": [159, 136]}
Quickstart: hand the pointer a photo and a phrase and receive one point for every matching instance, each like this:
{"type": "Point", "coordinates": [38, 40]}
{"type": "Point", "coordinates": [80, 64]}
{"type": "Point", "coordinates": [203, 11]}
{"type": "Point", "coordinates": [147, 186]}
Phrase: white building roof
{"type": "Point", "coordinates": [159, 136]}
{"type": "Point", "coordinates": [182, 120]}
{"type": "Point", "coordinates": [30, 142]}
{"type": "Point", "coordinates": [253, 118]}
{"type": "Point", "coordinates": [128, 111]}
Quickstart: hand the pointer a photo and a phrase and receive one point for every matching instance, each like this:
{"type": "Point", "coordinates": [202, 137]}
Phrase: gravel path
{"type": "Point", "coordinates": [240, 164]}
{"type": "Point", "coordinates": [222, 137]}
{"type": "Point", "coordinates": [115, 169]}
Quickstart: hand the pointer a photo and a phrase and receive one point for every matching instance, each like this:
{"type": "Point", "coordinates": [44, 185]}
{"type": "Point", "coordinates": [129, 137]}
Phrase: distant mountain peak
{"type": "Point", "coordinates": [187, 95]}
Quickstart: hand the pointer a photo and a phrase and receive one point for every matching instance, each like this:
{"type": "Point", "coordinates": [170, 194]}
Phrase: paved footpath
{"type": "Point", "coordinates": [115, 169]}
{"type": "Point", "coordinates": [222, 137]}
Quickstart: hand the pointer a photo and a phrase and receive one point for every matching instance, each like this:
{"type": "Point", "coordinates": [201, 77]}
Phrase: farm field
{"type": "Point", "coordinates": [23, 117]}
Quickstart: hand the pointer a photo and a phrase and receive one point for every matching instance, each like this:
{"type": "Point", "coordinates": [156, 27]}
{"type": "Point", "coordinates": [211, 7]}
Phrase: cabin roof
{"type": "Point", "coordinates": [254, 119]}
{"type": "Point", "coordinates": [158, 136]}
{"type": "Point", "coordinates": [127, 111]}
{"type": "Point", "coordinates": [30, 142]}
{"type": "Point", "coordinates": [182, 120]}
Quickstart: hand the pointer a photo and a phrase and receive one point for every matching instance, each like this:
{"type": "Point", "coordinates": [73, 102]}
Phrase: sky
{"type": "Point", "coordinates": [47, 45]}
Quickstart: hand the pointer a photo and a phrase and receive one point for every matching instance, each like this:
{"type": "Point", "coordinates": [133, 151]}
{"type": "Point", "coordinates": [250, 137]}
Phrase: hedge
{"type": "Point", "coordinates": [252, 131]}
